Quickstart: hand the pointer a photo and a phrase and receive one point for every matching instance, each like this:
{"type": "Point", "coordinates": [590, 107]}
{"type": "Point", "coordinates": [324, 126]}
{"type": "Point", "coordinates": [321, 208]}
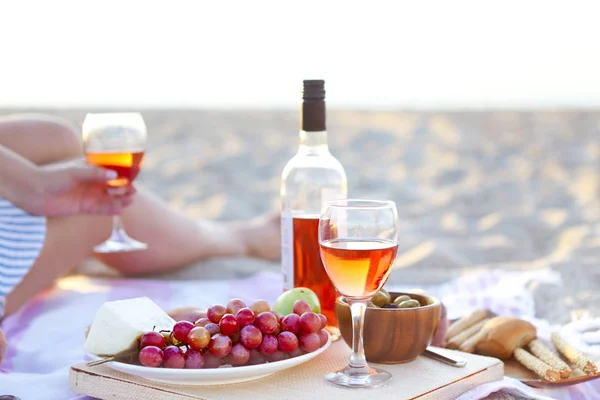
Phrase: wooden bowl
{"type": "Point", "coordinates": [394, 335]}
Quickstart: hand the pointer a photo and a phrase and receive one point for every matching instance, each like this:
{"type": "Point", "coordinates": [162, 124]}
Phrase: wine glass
{"type": "Point", "coordinates": [358, 241]}
{"type": "Point", "coordinates": [116, 141]}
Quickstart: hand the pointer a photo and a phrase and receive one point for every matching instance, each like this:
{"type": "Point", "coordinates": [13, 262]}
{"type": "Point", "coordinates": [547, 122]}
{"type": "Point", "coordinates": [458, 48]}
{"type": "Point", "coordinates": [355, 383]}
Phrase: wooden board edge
{"type": "Point", "coordinates": [80, 379]}
{"type": "Point", "coordinates": [496, 370]}
{"type": "Point", "coordinates": [86, 382]}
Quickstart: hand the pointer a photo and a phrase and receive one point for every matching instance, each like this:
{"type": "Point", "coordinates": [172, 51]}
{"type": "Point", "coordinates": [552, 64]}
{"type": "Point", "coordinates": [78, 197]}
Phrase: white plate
{"type": "Point", "coordinates": [217, 376]}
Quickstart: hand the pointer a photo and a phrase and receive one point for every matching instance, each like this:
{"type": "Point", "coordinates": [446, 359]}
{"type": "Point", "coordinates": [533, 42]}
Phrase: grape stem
{"type": "Point", "coordinates": [122, 355]}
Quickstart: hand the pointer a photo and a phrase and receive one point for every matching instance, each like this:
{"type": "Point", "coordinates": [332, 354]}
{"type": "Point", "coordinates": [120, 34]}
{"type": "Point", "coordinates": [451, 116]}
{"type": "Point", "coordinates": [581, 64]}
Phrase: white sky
{"type": "Point", "coordinates": [409, 54]}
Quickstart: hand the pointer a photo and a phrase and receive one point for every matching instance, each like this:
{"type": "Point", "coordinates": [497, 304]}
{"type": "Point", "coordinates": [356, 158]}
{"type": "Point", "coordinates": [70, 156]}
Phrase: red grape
{"type": "Point", "coordinates": [269, 345]}
{"type": "Point", "coordinates": [219, 345]}
{"type": "Point", "coordinates": [152, 339]}
{"type": "Point", "coordinates": [235, 305]}
{"type": "Point", "coordinates": [300, 307]}
{"type": "Point", "coordinates": [291, 323]}
{"type": "Point", "coordinates": [198, 338]}
{"type": "Point", "coordinates": [245, 317]}
{"type": "Point", "coordinates": [235, 338]}
{"type": "Point", "coordinates": [211, 361]}
{"type": "Point", "coordinates": [256, 357]}
{"type": "Point", "coordinates": [181, 330]}
{"type": "Point", "coordinates": [216, 312]}
{"type": "Point", "coordinates": [296, 353]}
{"type": "Point", "coordinates": [212, 328]}
{"type": "Point", "coordinates": [151, 356]}
{"type": "Point", "coordinates": [266, 322]}
{"type": "Point", "coordinates": [277, 356]}
{"type": "Point", "coordinates": [202, 322]}
{"type": "Point", "coordinates": [309, 342]}
{"type": "Point", "coordinates": [229, 324]}
{"type": "Point", "coordinates": [225, 360]}
{"type": "Point", "coordinates": [287, 341]}
{"type": "Point", "coordinates": [310, 322]}
{"type": "Point", "coordinates": [251, 336]}
{"type": "Point", "coordinates": [173, 357]}
{"type": "Point", "coordinates": [193, 359]}
{"type": "Point", "coordinates": [323, 321]}
{"type": "Point", "coordinates": [323, 336]}
{"type": "Point", "coordinates": [260, 306]}
{"type": "Point", "coordinates": [239, 355]}
{"type": "Point", "coordinates": [277, 316]}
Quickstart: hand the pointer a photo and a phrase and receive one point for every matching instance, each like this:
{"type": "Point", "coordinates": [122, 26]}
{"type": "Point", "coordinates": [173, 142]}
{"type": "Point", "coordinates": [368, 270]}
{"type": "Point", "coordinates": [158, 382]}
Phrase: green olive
{"type": "Point", "coordinates": [400, 299]}
{"type": "Point", "coordinates": [381, 298]}
{"type": "Point", "coordinates": [386, 292]}
{"type": "Point", "coordinates": [409, 304]}
{"type": "Point", "coordinates": [371, 305]}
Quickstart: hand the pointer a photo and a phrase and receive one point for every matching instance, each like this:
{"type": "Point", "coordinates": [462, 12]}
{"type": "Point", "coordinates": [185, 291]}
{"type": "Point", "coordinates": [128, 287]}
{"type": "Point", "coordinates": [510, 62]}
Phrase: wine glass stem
{"type": "Point", "coordinates": [117, 224]}
{"type": "Point", "coordinates": [358, 360]}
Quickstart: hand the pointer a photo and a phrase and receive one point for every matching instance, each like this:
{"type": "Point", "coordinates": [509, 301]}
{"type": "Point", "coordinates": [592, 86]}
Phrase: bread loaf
{"type": "Point", "coordinates": [500, 336]}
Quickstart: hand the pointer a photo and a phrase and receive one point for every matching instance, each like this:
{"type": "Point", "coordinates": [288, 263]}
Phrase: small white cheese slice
{"type": "Point", "coordinates": [118, 324]}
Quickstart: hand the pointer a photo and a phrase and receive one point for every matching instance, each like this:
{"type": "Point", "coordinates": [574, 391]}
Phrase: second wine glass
{"type": "Point", "coordinates": [116, 141]}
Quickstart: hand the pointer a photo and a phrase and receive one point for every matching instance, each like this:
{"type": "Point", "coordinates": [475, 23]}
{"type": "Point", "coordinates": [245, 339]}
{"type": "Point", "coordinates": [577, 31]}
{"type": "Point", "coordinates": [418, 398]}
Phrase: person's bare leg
{"type": "Point", "coordinates": [173, 239]}
{"type": "Point", "coordinates": [3, 346]}
{"type": "Point", "coordinates": [69, 241]}
{"type": "Point", "coordinates": [41, 139]}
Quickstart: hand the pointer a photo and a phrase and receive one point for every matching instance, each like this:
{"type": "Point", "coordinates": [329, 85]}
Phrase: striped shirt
{"type": "Point", "coordinates": [21, 240]}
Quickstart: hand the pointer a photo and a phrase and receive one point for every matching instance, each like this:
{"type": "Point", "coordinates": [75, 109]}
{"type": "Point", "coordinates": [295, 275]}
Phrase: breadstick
{"type": "Point", "coordinates": [542, 352]}
{"type": "Point", "coordinates": [459, 339]}
{"type": "Point", "coordinates": [536, 365]}
{"type": "Point", "coordinates": [465, 322]}
{"type": "Point", "coordinates": [468, 346]}
{"type": "Point", "coordinates": [580, 361]}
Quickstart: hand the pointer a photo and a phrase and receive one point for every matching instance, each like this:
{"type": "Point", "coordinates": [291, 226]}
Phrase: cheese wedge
{"type": "Point", "coordinates": [119, 324]}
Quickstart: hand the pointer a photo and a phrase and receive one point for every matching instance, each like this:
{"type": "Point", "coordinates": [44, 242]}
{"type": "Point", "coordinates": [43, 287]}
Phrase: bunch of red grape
{"type": "Point", "coordinates": [236, 335]}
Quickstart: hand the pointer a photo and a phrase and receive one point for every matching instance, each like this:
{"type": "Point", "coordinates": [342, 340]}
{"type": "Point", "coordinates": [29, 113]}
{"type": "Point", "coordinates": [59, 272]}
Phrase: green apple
{"type": "Point", "coordinates": [284, 303]}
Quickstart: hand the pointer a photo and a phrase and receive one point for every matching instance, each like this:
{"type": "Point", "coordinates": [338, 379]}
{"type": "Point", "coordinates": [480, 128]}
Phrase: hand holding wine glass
{"type": "Point", "coordinates": [71, 188]}
{"type": "Point", "coordinates": [359, 241]}
{"type": "Point", "coordinates": [116, 141]}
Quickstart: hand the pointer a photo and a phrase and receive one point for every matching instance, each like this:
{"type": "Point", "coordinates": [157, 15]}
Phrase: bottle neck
{"type": "Point", "coordinates": [313, 133]}
{"type": "Point", "coordinates": [313, 142]}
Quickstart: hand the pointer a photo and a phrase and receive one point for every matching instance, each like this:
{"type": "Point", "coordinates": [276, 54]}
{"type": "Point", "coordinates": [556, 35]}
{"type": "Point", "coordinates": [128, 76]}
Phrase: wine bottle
{"type": "Point", "coordinates": [312, 177]}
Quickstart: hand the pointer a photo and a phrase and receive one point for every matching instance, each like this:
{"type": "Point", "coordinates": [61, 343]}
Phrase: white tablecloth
{"type": "Point", "coordinates": [46, 337]}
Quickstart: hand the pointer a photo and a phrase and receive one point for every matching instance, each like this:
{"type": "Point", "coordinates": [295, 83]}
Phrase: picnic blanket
{"type": "Point", "coordinates": [46, 337]}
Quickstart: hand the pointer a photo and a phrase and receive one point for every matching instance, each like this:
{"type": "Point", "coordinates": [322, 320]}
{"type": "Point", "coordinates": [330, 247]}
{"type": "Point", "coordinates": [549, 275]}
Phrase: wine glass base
{"type": "Point", "coordinates": [358, 378]}
{"type": "Point", "coordinates": [117, 246]}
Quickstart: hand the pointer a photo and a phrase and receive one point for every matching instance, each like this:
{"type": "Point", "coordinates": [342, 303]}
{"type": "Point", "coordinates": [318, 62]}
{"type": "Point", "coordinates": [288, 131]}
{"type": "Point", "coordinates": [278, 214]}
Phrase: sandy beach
{"type": "Point", "coordinates": [475, 190]}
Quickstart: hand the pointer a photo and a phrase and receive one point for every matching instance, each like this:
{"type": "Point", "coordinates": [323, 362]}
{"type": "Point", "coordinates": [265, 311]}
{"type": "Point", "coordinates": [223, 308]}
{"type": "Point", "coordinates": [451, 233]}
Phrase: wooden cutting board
{"type": "Point", "coordinates": [421, 379]}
